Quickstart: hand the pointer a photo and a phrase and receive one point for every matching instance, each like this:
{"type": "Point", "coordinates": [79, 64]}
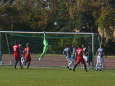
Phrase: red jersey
{"type": "Point", "coordinates": [16, 51]}
{"type": "Point", "coordinates": [27, 52]}
{"type": "Point", "coordinates": [79, 55]}
{"type": "Point", "coordinates": [79, 52]}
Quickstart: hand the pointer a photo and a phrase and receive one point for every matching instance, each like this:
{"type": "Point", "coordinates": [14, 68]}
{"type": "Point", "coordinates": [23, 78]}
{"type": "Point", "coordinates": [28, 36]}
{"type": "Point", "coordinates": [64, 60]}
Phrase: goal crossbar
{"type": "Point", "coordinates": [48, 32]}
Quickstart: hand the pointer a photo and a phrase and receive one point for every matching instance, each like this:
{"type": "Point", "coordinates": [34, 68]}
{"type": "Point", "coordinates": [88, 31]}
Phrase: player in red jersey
{"type": "Point", "coordinates": [79, 58]}
{"type": "Point", "coordinates": [27, 55]}
{"type": "Point", "coordinates": [16, 54]}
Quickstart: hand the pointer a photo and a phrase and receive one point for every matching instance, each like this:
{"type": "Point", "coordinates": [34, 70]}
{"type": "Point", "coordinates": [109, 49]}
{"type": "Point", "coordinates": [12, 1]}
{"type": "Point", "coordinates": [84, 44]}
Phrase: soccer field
{"type": "Point", "coordinates": [55, 77]}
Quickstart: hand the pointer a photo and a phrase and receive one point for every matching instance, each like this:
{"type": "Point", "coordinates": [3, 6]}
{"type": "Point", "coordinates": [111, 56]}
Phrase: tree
{"type": "Point", "coordinates": [107, 22]}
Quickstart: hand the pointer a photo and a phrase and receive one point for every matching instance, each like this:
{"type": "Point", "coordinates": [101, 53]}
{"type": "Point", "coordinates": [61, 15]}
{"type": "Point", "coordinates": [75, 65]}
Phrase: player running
{"type": "Point", "coordinates": [17, 55]}
{"type": "Point", "coordinates": [27, 55]}
{"type": "Point", "coordinates": [79, 58]}
{"type": "Point", "coordinates": [100, 59]}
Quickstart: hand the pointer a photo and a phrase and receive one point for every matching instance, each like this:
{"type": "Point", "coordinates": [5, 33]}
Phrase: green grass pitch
{"type": "Point", "coordinates": [55, 77]}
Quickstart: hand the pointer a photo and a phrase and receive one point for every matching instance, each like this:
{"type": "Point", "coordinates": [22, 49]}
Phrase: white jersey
{"type": "Point", "coordinates": [100, 52]}
{"type": "Point", "coordinates": [66, 52]}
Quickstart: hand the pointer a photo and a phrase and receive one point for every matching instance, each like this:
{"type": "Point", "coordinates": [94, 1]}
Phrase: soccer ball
{"type": "Point", "coordinates": [22, 60]}
{"type": "Point", "coordinates": [55, 23]}
{"type": "Point", "coordinates": [39, 59]}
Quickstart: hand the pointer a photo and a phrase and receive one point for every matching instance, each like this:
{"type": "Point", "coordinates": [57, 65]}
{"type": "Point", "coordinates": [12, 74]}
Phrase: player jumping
{"type": "Point", "coordinates": [45, 43]}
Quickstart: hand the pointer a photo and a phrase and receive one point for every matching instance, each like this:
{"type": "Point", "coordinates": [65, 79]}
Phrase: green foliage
{"type": "Point", "coordinates": [85, 21]}
{"type": "Point", "coordinates": [107, 22]}
{"type": "Point", "coordinates": [38, 15]}
{"type": "Point", "coordinates": [107, 18]}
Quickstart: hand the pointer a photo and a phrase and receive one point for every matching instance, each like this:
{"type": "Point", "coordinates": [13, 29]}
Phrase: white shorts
{"type": "Point", "coordinates": [100, 60]}
{"type": "Point", "coordinates": [85, 58]}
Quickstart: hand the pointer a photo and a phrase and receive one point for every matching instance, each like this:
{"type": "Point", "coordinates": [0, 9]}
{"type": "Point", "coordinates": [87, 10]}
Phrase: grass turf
{"type": "Point", "coordinates": [55, 77]}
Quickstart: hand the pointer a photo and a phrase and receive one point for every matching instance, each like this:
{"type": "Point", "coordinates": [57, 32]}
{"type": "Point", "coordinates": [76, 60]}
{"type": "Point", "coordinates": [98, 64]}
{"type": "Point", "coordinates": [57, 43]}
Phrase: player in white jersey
{"type": "Point", "coordinates": [72, 58]}
{"type": "Point", "coordinates": [67, 54]}
{"type": "Point", "coordinates": [100, 59]}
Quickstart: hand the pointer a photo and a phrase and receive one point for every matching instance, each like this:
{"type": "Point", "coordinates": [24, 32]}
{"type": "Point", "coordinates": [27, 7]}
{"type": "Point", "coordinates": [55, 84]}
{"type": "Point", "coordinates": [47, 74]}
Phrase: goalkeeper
{"type": "Point", "coordinates": [45, 48]}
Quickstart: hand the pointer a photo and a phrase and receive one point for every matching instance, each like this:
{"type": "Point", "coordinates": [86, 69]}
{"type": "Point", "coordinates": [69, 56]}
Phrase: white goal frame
{"type": "Point", "coordinates": [80, 33]}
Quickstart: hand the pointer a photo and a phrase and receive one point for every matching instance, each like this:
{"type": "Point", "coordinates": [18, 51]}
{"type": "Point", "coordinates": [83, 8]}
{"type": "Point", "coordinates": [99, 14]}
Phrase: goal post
{"type": "Point", "coordinates": [0, 49]}
{"type": "Point", "coordinates": [57, 41]}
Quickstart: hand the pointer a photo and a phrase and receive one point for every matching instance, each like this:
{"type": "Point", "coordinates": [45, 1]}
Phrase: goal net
{"type": "Point", "coordinates": [57, 41]}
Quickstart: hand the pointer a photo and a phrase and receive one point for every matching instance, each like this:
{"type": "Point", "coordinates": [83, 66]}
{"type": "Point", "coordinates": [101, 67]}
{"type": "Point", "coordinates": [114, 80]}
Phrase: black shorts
{"type": "Point", "coordinates": [18, 59]}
